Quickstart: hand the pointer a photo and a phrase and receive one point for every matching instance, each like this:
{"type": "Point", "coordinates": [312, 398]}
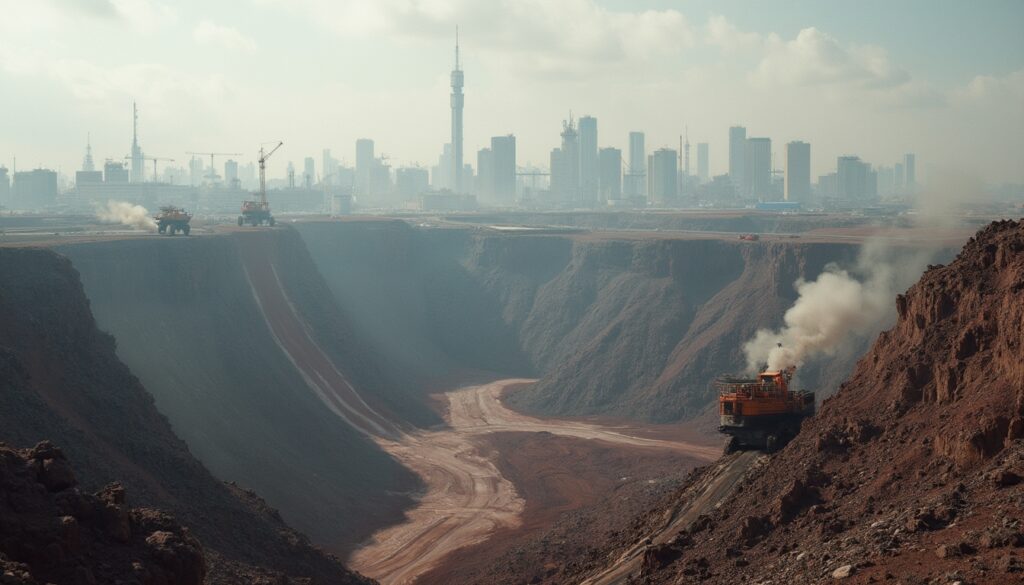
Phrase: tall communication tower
{"type": "Point", "coordinates": [458, 100]}
{"type": "Point", "coordinates": [138, 161]}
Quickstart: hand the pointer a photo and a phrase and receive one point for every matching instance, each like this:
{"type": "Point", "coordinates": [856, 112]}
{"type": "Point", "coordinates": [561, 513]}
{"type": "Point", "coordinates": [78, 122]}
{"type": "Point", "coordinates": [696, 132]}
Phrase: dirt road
{"type": "Point", "coordinates": [466, 497]}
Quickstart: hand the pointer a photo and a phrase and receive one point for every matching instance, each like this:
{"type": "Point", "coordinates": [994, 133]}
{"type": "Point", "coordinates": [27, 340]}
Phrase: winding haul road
{"type": "Point", "coordinates": [466, 497]}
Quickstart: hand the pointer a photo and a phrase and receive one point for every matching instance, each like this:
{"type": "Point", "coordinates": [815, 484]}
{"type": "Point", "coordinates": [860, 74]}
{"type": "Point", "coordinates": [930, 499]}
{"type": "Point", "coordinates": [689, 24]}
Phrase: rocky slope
{"type": "Point", "coordinates": [188, 325]}
{"type": "Point", "coordinates": [913, 472]}
{"type": "Point", "coordinates": [50, 532]}
{"type": "Point", "coordinates": [632, 328]}
{"type": "Point", "coordinates": [60, 379]}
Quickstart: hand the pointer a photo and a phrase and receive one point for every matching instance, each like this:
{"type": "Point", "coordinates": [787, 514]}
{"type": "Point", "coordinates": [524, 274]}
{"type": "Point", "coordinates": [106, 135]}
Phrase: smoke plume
{"type": "Point", "coordinates": [128, 214]}
{"type": "Point", "coordinates": [839, 307]}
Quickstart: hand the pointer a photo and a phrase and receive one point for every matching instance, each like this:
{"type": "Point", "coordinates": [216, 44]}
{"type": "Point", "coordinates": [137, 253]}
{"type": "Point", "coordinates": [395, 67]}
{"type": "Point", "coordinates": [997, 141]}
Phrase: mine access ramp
{"type": "Point", "coordinates": [762, 412]}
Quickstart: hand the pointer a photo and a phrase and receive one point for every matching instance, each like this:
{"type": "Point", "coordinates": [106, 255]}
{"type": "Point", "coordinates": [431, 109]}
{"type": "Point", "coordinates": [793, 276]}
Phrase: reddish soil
{"type": "Point", "coordinates": [555, 476]}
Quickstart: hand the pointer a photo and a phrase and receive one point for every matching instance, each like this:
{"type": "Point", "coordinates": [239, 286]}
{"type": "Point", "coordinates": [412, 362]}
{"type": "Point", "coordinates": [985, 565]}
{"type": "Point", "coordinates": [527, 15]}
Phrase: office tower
{"type": "Point", "coordinates": [662, 175]}
{"type": "Point", "coordinates": [308, 172]}
{"type": "Point", "coordinates": [798, 171]}
{"type": "Point", "coordinates": [231, 174]}
{"type": "Point", "coordinates": [458, 101]}
{"type": "Point", "coordinates": [589, 178]}
{"type": "Point", "coordinates": [738, 157]}
{"type": "Point", "coordinates": [441, 174]}
{"type": "Point", "coordinates": [757, 169]}
{"type": "Point", "coordinates": [364, 165]}
{"type": "Point", "coordinates": [686, 157]}
{"type": "Point", "coordinates": [565, 169]}
{"type": "Point", "coordinates": [5, 188]}
{"type": "Point", "coordinates": [114, 172]}
{"type": "Point", "coordinates": [702, 161]}
{"type": "Point", "coordinates": [910, 168]}
{"type": "Point", "coordinates": [610, 184]}
{"type": "Point", "coordinates": [636, 178]}
{"type": "Point", "coordinates": [503, 153]}
{"type": "Point", "coordinates": [138, 163]}
{"type": "Point", "coordinates": [827, 186]}
{"type": "Point", "coordinates": [34, 189]}
{"type": "Point", "coordinates": [411, 182]}
{"type": "Point", "coordinates": [852, 176]}
{"type": "Point", "coordinates": [485, 173]}
{"type": "Point", "coordinates": [87, 162]}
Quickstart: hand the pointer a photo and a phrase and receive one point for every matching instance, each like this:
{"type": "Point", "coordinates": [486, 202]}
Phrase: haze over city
{"type": "Point", "coordinates": [874, 81]}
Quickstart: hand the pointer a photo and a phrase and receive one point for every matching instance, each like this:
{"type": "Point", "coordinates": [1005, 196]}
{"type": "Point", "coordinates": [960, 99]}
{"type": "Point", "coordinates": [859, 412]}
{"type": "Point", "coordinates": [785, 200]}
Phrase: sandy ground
{"type": "Point", "coordinates": [467, 498]}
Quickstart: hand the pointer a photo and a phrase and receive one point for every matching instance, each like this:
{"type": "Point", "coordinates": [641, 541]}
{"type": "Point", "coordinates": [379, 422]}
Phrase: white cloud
{"type": "Point", "coordinates": [208, 33]}
{"type": "Point", "coordinates": [721, 33]}
{"type": "Point", "coordinates": [145, 15]}
{"type": "Point", "coordinates": [988, 88]}
{"type": "Point", "coordinates": [815, 58]}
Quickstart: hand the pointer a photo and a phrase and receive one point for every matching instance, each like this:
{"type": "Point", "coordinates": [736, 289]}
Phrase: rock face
{"type": "Point", "coordinates": [907, 473]}
{"type": "Point", "coordinates": [51, 532]}
{"type": "Point", "coordinates": [60, 379]}
{"type": "Point", "coordinates": [622, 327]}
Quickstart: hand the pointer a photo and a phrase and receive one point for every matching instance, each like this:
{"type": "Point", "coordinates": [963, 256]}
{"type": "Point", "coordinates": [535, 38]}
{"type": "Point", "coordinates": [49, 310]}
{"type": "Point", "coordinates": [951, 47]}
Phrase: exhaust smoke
{"type": "Point", "coordinates": [129, 214]}
{"type": "Point", "coordinates": [839, 307]}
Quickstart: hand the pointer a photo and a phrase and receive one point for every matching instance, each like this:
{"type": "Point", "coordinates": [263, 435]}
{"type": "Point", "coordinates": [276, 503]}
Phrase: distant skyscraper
{"type": "Point", "coordinates": [364, 165]}
{"type": "Point", "coordinates": [138, 163]}
{"type": "Point", "coordinates": [195, 171]}
{"type": "Point", "coordinates": [798, 171]}
{"type": "Point", "coordinates": [308, 172]}
{"type": "Point", "coordinates": [852, 179]}
{"type": "Point", "coordinates": [686, 154]}
{"type": "Point", "coordinates": [565, 176]}
{"type": "Point", "coordinates": [411, 182]}
{"type": "Point", "coordinates": [503, 153]}
{"type": "Point", "coordinates": [899, 178]}
{"type": "Point", "coordinates": [88, 174]}
{"type": "Point", "coordinates": [702, 161]}
{"type": "Point", "coordinates": [662, 176]}
{"type": "Point", "coordinates": [738, 157]}
{"type": "Point", "coordinates": [910, 166]}
{"type": "Point", "coordinates": [757, 168]}
{"type": "Point", "coordinates": [458, 101]}
{"type": "Point", "coordinates": [610, 163]}
{"type": "Point", "coordinates": [87, 162]}
{"type": "Point", "coordinates": [589, 177]}
{"type": "Point", "coordinates": [231, 174]}
{"type": "Point", "coordinates": [636, 178]}
{"type": "Point", "coordinates": [442, 174]}
{"type": "Point", "coordinates": [485, 173]}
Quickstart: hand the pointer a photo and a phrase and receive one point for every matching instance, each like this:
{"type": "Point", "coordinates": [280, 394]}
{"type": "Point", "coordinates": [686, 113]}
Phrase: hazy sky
{"type": "Point", "coordinates": [873, 78]}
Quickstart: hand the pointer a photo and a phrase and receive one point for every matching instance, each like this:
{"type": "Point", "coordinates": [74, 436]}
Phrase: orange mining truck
{"type": "Point", "coordinates": [762, 412]}
{"type": "Point", "coordinates": [172, 220]}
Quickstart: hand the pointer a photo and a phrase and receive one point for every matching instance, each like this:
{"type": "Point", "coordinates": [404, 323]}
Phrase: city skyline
{"type": "Point", "coordinates": [863, 86]}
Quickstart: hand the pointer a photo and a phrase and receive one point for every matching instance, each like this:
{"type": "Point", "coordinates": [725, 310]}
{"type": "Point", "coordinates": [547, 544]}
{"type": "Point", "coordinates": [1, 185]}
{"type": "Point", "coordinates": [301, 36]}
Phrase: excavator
{"type": "Point", "coordinates": [762, 412]}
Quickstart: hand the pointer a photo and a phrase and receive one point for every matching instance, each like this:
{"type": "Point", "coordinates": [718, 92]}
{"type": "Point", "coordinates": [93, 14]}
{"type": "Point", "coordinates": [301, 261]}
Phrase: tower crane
{"type": "Point", "coordinates": [256, 212]}
{"type": "Point", "coordinates": [154, 159]}
{"type": "Point", "coordinates": [213, 169]}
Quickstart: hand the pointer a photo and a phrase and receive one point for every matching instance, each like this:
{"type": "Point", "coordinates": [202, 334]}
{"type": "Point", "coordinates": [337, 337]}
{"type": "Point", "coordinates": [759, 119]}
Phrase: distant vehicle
{"type": "Point", "coordinates": [255, 213]}
{"type": "Point", "coordinates": [762, 412]}
{"type": "Point", "coordinates": [750, 237]}
{"type": "Point", "coordinates": [172, 220]}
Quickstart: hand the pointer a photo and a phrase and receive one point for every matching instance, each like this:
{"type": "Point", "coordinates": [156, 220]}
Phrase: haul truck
{"type": "Point", "coordinates": [762, 412]}
{"type": "Point", "coordinates": [172, 220]}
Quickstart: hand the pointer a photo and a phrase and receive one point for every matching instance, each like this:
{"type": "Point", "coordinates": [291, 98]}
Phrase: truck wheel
{"type": "Point", "coordinates": [271, 222]}
{"type": "Point", "coordinates": [161, 229]}
{"type": "Point", "coordinates": [771, 444]}
{"type": "Point", "coordinates": [186, 229]}
{"type": "Point", "coordinates": [731, 446]}
{"type": "Point", "coordinates": [241, 220]}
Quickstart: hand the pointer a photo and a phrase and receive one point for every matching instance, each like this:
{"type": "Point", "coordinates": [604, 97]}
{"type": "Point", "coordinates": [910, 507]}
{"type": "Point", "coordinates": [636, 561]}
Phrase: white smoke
{"type": "Point", "coordinates": [839, 307]}
{"type": "Point", "coordinates": [128, 214]}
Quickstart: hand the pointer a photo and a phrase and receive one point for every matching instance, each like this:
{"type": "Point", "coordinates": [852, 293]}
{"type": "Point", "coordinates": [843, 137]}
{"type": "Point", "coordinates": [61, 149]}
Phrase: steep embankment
{"type": "Point", "coordinates": [189, 325]}
{"type": "Point", "coordinates": [913, 471]}
{"type": "Point", "coordinates": [61, 379]}
{"type": "Point", "coordinates": [632, 328]}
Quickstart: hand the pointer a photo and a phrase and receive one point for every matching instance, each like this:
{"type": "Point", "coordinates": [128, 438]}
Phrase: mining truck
{"type": "Point", "coordinates": [172, 220]}
{"type": "Point", "coordinates": [762, 412]}
{"type": "Point", "coordinates": [255, 213]}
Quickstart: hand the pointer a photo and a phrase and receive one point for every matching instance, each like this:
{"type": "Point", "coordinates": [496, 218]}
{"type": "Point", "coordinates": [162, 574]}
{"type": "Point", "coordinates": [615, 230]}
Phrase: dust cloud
{"type": "Point", "coordinates": [122, 212]}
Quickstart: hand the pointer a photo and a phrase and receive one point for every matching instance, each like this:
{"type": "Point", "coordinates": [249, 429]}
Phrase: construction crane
{"type": "Point", "coordinates": [256, 212]}
{"type": "Point", "coordinates": [213, 169]}
{"type": "Point", "coordinates": [154, 159]}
